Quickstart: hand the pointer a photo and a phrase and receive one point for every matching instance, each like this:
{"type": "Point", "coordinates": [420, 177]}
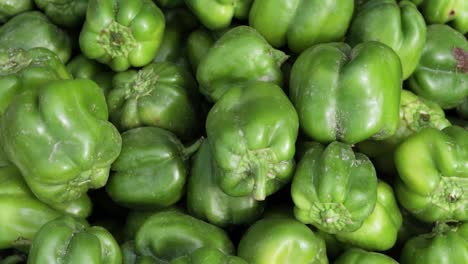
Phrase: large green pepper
{"type": "Point", "coordinates": [199, 43]}
{"type": "Point", "coordinates": [359, 256]}
{"type": "Point", "coordinates": [10, 8]}
{"type": "Point", "coordinates": [217, 14]}
{"type": "Point", "coordinates": [334, 188]}
{"type": "Point", "coordinates": [398, 25]}
{"type": "Point", "coordinates": [416, 113]}
{"type": "Point", "coordinates": [446, 244]}
{"type": "Point", "coordinates": [445, 11]}
{"type": "Point", "coordinates": [207, 255]}
{"type": "Point", "coordinates": [207, 201]}
{"type": "Point", "coordinates": [68, 13]}
{"type": "Point", "coordinates": [151, 169]}
{"type": "Point", "coordinates": [442, 73]}
{"type": "Point", "coordinates": [69, 241]}
{"type": "Point", "coordinates": [59, 138]}
{"type": "Point", "coordinates": [278, 240]}
{"type": "Point", "coordinates": [27, 69]}
{"type": "Point", "coordinates": [241, 54]}
{"type": "Point", "coordinates": [161, 94]}
{"type": "Point", "coordinates": [301, 23]}
{"type": "Point", "coordinates": [168, 235]}
{"type": "Point", "coordinates": [33, 30]}
{"type": "Point", "coordinates": [252, 130]}
{"type": "Point", "coordinates": [433, 174]}
{"type": "Point", "coordinates": [81, 67]}
{"type": "Point", "coordinates": [122, 33]}
{"type": "Point", "coordinates": [22, 213]}
{"type": "Point", "coordinates": [179, 22]}
{"type": "Point", "coordinates": [345, 94]}
{"type": "Point", "coordinates": [379, 230]}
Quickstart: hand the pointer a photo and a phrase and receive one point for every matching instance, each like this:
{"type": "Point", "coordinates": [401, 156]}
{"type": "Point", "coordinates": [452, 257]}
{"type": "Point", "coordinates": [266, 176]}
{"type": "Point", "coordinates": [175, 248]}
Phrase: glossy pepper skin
{"type": "Point", "coordinates": [22, 213]}
{"type": "Point", "coordinates": [334, 188]}
{"type": "Point", "coordinates": [445, 245]}
{"type": "Point", "coordinates": [161, 94]}
{"type": "Point", "coordinates": [454, 12]}
{"type": "Point", "coordinates": [442, 73]}
{"type": "Point", "coordinates": [209, 255]}
{"type": "Point", "coordinates": [345, 94]}
{"type": "Point", "coordinates": [379, 230]}
{"type": "Point", "coordinates": [240, 55]}
{"type": "Point", "coordinates": [398, 25]}
{"type": "Point", "coordinates": [217, 14]}
{"type": "Point", "coordinates": [359, 256]}
{"type": "Point", "coordinates": [59, 138]}
{"type": "Point", "coordinates": [300, 24]}
{"type": "Point", "coordinates": [207, 201]}
{"type": "Point", "coordinates": [433, 176]}
{"type": "Point", "coordinates": [122, 33]}
{"type": "Point", "coordinates": [9, 9]}
{"type": "Point", "coordinates": [33, 29]}
{"type": "Point", "coordinates": [27, 69]}
{"type": "Point", "coordinates": [278, 240]}
{"type": "Point", "coordinates": [66, 241]}
{"type": "Point", "coordinates": [151, 169]}
{"type": "Point", "coordinates": [179, 23]}
{"type": "Point", "coordinates": [252, 131]}
{"type": "Point", "coordinates": [66, 13]}
{"type": "Point", "coordinates": [81, 67]}
{"type": "Point", "coordinates": [199, 43]}
{"type": "Point", "coordinates": [416, 113]}
{"type": "Point", "coordinates": [167, 235]}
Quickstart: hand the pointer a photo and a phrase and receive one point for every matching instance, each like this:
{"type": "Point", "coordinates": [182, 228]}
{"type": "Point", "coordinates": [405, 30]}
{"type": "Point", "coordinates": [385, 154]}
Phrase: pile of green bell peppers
{"type": "Point", "coordinates": [233, 131]}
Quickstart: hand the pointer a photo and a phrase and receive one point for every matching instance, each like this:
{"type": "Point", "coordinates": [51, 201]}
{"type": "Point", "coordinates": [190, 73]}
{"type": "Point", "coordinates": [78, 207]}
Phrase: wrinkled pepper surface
{"type": "Point", "coordinates": [252, 131]}
{"type": "Point", "coordinates": [334, 188]}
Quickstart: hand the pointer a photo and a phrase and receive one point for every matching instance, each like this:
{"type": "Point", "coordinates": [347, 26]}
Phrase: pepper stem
{"type": "Point", "coordinates": [260, 176]}
{"type": "Point", "coordinates": [188, 151]}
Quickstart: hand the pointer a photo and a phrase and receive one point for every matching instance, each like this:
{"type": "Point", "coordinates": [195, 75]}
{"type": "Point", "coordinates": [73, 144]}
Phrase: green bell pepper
{"type": "Point", "coordinates": [334, 188]}
{"type": "Point", "coordinates": [81, 67]}
{"type": "Point", "coordinates": [359, 256]}
{"type": "Point", "coordinates": [199, 43]}
{"type": "Point", "coordinates": [27, 69]}
{"type": "Point", "coordinates": [9, 9]}
{"type": "Point", "coordinates": [398, 25]}
{"type": "Point", "coordinates": [301, 23]}
{"type": "Point", "coordinates": [433, 174]}
{"type": "Point", "coordinates": [379, 230]}
{"type": "Point", "coordinates": [179, 22]}
{"type": "Point", "coordinates": [160, 94]}
{"type": "Point", "coordinates": [122, 33]}
{"type": "Point", "coordinates": [67, 13]}
{"type": "Point", "coordinates": [168, 235]}
{"type": "Point", "coordinates": [217, 14]}
{"type": "Point", "coordinates": [252, 131]}
{"type": "Point", "coordinates": [416, 113]}
{"type": "Point", "coordinates": [445, 245]}
{"type": "Point", "coordinates": [279, 240]}
{"type": "Point", "coordinates": [66, 240]}
{"type": "Point", "coordinates": [22, 213]}
{"type": "Point", "coordinates": [209, 255]}
{"type": "Point", "coordinates": [442, 73]}
{"type": "Point", "coordinates": [151, 169]}
{"type": "Point", "coordinates": [241, 54]}
{"type": "Point", "coordinates": [206, 200]}
{"type": "Point", "coordinates": [59, 138]}
{"type": "Point", "coordinates": [454, 12]}
{"type": "Point", "coordinates": [33, 29]}
{"type": "Point", "coordinates": [345, 94]}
